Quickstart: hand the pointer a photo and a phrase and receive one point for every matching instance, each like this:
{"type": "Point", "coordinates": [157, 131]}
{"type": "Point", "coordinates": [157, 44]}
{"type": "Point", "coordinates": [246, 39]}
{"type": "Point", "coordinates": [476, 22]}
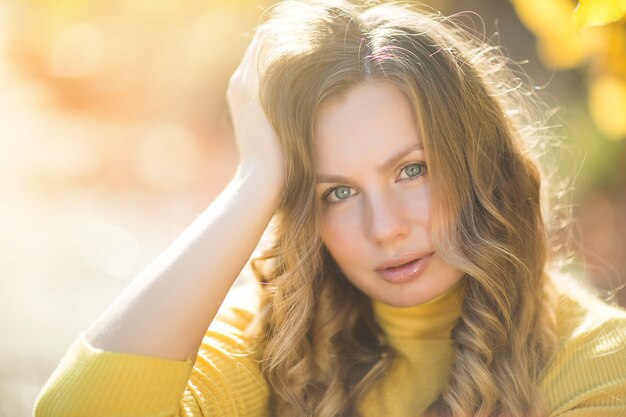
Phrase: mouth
{"type": "Point", "coordinates": [402, 260]}
{"type": "Point", "coordinates": [391, 268]}
{"type": "Point", "coordinates": [404, 268]}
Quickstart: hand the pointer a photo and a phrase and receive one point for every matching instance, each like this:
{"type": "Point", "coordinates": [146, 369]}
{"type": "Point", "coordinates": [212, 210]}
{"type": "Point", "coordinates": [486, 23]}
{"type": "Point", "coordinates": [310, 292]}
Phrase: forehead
{"type": "Point", "coordinates": [372, 121]}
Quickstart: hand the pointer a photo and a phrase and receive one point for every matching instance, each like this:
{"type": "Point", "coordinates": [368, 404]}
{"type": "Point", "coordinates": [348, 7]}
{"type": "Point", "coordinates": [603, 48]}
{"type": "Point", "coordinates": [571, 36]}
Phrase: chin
{"type": "Point", "coordinates": [413, 293]}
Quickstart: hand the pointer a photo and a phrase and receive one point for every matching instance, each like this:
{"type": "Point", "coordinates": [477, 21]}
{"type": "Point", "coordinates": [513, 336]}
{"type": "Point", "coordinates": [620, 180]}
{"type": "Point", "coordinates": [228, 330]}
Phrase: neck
{"type": "Point", "coordinates": [433, 319]}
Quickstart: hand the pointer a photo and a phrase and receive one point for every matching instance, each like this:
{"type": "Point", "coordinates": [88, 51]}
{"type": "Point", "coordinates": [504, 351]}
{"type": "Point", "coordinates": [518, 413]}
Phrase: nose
{"type": "Point", "coordinates": [386, 220]}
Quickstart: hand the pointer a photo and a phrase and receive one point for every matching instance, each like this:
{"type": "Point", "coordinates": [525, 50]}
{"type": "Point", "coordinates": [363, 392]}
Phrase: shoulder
{"type": "Point", "coordinates": [583, 318]}
{"type": "Point", "coordinates": [589, 369]}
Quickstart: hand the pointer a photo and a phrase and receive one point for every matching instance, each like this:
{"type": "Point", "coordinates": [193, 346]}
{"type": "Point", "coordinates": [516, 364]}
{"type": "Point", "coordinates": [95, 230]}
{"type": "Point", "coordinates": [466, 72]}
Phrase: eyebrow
{"type": "Point", "coordinates": [393, 159]}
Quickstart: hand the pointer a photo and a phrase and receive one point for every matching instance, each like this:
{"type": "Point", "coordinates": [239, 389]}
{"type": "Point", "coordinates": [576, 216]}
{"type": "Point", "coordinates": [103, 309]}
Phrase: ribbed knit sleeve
{"type": "Point", "coordinates": [91, 382]}
{"type": "Point", "coordinates": [225, 379]}
{"type": "Point", "coordinates": [588, 376]}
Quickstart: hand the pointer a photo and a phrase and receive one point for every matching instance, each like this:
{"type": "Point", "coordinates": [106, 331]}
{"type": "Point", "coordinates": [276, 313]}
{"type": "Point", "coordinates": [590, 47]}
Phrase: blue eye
{"type": "Point", "coordinates": [341, 192]}
{"type": "Point", "coordinates": [413, 170]}
{"type": "Point", "coordinates": [337, 194]}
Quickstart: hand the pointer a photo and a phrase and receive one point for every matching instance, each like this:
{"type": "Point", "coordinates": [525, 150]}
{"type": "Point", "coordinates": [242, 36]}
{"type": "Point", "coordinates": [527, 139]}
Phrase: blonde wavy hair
{"type": "Point", "coordinates": [323, 350]}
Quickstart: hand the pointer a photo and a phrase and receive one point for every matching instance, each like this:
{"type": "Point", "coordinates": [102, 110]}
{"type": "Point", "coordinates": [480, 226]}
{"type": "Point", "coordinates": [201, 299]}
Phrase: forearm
{"type": "Point", "coordinates": [166, 310]}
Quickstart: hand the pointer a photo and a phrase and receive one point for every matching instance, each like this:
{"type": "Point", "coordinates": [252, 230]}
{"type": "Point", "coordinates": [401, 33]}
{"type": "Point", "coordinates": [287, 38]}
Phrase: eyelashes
{"type": "Point", "coordinates": [415, 174]}
{"type": "Point", "coordinates": [328, 192]}
{"type": "Point", "coordinates": [412, 171]}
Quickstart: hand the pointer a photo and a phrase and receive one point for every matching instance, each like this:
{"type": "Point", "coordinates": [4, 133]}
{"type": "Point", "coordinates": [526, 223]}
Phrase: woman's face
{"type": "Point", "coordinates": [374, 187]}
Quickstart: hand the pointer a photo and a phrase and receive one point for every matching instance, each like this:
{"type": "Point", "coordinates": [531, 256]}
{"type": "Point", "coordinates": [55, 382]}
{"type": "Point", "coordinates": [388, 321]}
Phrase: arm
{"type": "Point", "coordinates": [224, 381]}
{"type": "Point", "coordinates": [152, 345]}
{"type": "Point", "coordinates": [186, 284]}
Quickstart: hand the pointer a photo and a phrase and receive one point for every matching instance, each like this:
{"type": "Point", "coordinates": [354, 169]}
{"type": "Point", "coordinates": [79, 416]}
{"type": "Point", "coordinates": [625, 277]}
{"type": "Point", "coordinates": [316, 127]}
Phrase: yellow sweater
{"type": "Point", "coordinates": [587, 378]}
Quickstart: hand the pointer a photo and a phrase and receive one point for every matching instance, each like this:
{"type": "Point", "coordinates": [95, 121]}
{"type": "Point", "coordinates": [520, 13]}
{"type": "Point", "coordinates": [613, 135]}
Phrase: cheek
{"type": "Point", "coordinates": [416, 205]}
{"type": "Point", "coordinates": [341, 236]}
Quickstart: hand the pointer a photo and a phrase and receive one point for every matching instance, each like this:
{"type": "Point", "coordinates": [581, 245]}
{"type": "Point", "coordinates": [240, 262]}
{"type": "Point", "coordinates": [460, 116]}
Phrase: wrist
{"type": "Point", "coordinates": [262, 172]}
{"type": "Point", "coordinates": [262, 167]}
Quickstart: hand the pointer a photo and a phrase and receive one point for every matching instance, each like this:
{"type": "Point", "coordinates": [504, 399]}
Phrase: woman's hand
{"type": "Point", "coordinates": [256, 139]}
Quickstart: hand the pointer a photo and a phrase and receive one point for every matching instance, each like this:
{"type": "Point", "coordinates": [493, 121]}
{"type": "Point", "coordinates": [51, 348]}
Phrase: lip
{"type": "Point", "coordinates": [403, 268]}
{"type": "Point", "coordinates": [401, 260]}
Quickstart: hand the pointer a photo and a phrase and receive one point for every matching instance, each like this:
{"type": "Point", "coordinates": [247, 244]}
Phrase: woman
{"type": "Point", "coordinates": [411, 269]}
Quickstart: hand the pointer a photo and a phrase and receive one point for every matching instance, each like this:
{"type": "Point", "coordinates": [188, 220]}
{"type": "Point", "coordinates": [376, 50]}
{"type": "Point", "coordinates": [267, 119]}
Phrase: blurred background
{"type": "Point", "coordinates": [115, 135]}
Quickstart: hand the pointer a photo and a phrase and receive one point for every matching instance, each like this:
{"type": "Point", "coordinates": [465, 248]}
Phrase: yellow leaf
{"type": "Point", "coordinates": [607, 102]}
{"type": "Point", "coordinates": [598, 12]}
{"type": "Point", "coordinates": [559, 43]}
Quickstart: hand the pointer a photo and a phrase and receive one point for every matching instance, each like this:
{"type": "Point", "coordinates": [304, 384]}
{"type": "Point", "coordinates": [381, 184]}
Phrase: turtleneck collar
{"type": "Point", "coordinates": [433, 319]}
